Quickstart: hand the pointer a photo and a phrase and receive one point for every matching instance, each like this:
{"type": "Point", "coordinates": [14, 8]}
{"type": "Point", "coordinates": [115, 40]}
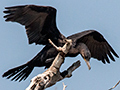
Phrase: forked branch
{"type": "Point", "coordinates": [64, 86]}
{"type": "Point", "coordinates": [52, 74]}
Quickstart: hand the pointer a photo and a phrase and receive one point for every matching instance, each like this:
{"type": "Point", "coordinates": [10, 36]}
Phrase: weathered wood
{"type": "Point", "coordinates": [64, 86]}
{"type": "Point", "coordinates": [115, 85]}
{"type": "Point", "coordinates": [52, 74]}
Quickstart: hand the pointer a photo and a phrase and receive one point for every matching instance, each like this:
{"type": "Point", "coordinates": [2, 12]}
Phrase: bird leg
{"type": "Point", "coordinates": [52, 74]}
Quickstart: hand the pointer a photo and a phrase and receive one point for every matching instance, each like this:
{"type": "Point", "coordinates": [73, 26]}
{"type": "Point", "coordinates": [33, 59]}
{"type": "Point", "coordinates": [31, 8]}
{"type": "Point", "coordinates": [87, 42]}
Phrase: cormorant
{"type": "Point", "coordinates": [40, 25]}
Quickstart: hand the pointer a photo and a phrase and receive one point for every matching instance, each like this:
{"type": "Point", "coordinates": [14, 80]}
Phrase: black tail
{"type": "Point", "coordinates": [20, 72]}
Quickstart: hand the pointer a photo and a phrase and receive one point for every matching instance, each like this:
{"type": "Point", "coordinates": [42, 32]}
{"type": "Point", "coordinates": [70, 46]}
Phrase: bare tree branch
{"type": "Point", "coordinates": [115, 85]}
{"type": "Point", "coordinates": [64, 86]}
{"type": "Point", "coordinates": [52, 74]}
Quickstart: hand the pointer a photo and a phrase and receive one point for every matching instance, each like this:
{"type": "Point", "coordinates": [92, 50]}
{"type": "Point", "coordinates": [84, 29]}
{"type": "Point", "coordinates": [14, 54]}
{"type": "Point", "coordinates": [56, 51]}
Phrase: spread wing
{"type": "Point", "coordinates": [39, 21]}
{"type": "Point", "coordinates": [98, 46]}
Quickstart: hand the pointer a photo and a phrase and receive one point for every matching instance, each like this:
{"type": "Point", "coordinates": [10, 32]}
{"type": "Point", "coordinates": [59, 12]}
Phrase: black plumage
{"type": "Point", "coordinates": [39, 22]}
{"type": "Point", "coordinates": [40, 25]}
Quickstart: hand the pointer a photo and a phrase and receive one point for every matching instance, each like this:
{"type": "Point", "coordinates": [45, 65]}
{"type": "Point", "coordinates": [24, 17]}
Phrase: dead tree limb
{"type": "Point", "coordinates": [115, 85]}
{"type": "Point", "coordinates": [64, 86]}
{"type": "Point", "coordinates": [52, 74]}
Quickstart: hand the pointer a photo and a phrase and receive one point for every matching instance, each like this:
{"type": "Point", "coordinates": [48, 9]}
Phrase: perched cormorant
{"type": "Point", "coordinates": [40, 25]}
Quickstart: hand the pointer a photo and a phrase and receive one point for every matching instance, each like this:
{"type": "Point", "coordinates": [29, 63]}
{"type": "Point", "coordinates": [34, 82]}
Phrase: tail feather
{"type": "Point", "coordinates": [23, 74]}
{"type": "Point", "coordinates": [26, 74]}
{"type": "Point", "coordinates": [13, 71]}
{"type": "Point", "coordinates": [20, 72]}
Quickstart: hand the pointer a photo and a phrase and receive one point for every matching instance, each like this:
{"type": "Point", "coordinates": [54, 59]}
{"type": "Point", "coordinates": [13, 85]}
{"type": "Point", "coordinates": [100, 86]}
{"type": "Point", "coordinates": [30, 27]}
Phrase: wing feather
{"type": "Point", "coordinates": [98, 46]}
{"type": "Point", "coordinates": [39, 22]}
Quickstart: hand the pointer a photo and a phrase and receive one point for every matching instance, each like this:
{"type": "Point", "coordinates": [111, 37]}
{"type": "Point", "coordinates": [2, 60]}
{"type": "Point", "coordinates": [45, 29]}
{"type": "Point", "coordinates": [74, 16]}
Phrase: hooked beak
{"type": "Point", "coordinates": [88, 64]}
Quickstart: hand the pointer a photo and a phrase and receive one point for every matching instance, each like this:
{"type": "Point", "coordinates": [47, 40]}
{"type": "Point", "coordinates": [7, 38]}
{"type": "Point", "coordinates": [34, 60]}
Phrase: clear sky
{"type": "Point", "coordinates": [72, 16]}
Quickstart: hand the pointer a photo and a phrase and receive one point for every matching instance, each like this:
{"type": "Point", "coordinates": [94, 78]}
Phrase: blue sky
{"type": "Point", "coordinates": [72, 16]}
